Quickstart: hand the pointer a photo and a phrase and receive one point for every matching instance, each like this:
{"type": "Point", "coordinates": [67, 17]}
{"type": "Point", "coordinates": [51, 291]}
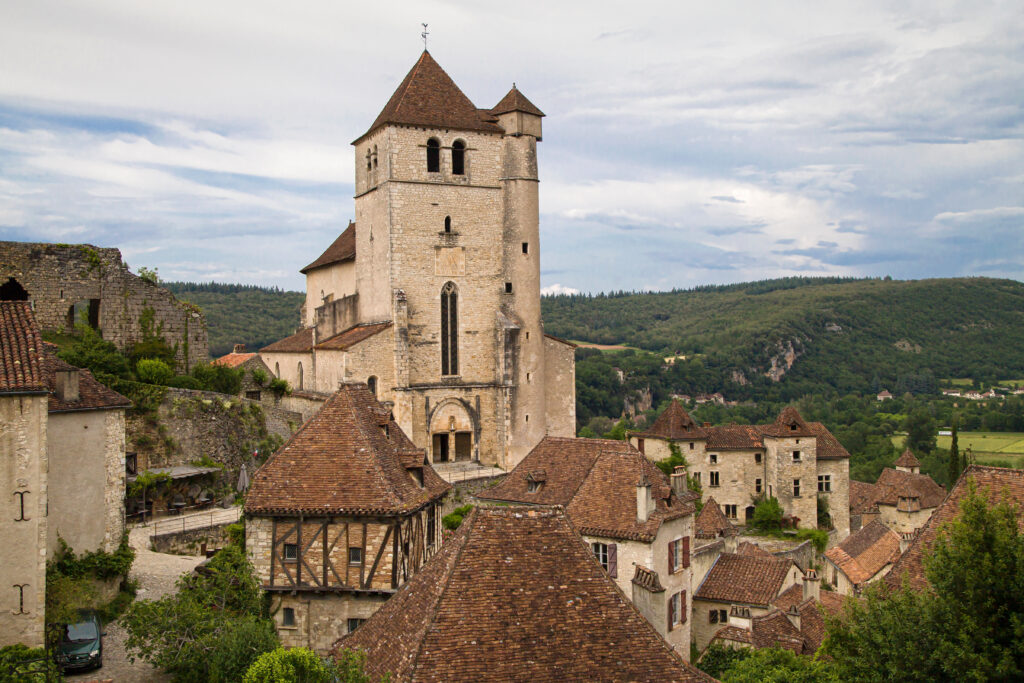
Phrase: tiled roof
{"type": "Point", "coordinates": [866, 552]}
{"type": "Point", "coordinates": [752, 549]}
{"type": "Point", "coordinates": [515, 101]}
{"type": "Point", "coordinates": [788, 423]}
{"type": "Point", "coordinates": [992, 482]}
{"type": "Point", "coordinates": [341, 249]}
{"type": "Point", "coordinates": [734, 437]}
{"type": "Point", "coordinates": [744, 579]}
{"type": "Point", "coordinates": [514, 595]}
{"type": "Point", "coordinates": [233, 360]}
{"type": "Point", "coordinates": [675, 423]}
{"type": "Point", "coordinates": [893, 484]}
{"type": "Point", "coordinates": [812, 622]}
{"type": "Point", "coordinates": [907, 460]}
{"type": "Point", "coordinates": [769, 630]}
{"type": "Point", "coordinates": [347, 459]}
{"type": "Point", "coordinates": [300, 342]}
{"type": "Point", "coordinates": [91, 394]}
{"type": "Point", "coordinates": [648, 579]}
{"type": "Point", "coordinates": [828, 446]}
{"type": "Point", "coordinates": [428, 97]}
{"type": "Point", "coordinates": [21, 349]}
{"type": "Point", "coordinates": [791, 597]}
{"type": "Point", "coordinates": [712, 522]}
{"type": "Point", "coordinates": [596, 481]}
{"type": "Point", "coordinates": [352, 336]}
{"type": "Point", "coordinates": [862, 498]}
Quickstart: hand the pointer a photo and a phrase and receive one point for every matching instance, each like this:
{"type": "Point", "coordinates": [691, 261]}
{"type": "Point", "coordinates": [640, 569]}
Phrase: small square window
{"type": "Point", "coordinates": [757, 457]}
{"type": "Point", "coordinates": [757, 486]}
{"type": "Point", "coordinates": [796, 456]}
{"type": "Point", "coordinates": [355, 555]}
{"type": "Point", "coordinates": [824, 483]}
{"type": "Point", "coordinates": [713, 478]}
{"type": "Point", "coordinates": [691, 445]}
{"type": "Point", "coordinates": [353, 624]}
{"type": "Point", "coordinates": [601, 553]}
{"type": "Point", "coordinates": [288, 616]}
{"type": "Point", "coordinates": [714, 458]}
{"type": "Point", "coordinates": [526, 247]}
{"type": "Point", "coordinates": [508, 287]}
{"type": "Point", "coordinates": [291, 552]}
{"type": "Point", "coordinates": [730, 511]}
{"type": "Point", "coordinates": [723, 616]}
{"type": "Point", "coordinates": [796, 487]}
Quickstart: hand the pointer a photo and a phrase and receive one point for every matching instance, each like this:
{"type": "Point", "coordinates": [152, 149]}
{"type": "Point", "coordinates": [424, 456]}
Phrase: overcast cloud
{"type": "Point", "coordinates": [684, 144]}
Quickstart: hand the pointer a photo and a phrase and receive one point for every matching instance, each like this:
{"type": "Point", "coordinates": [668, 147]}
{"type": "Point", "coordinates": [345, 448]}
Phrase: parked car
{"type": "Point", "coordinates": [81, 644]}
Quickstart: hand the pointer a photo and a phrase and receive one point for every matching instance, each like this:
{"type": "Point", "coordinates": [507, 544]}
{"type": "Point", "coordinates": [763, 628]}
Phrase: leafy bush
{"type": "Point", "coordinates": [259, 376]}
{"type": "Point", "coordinates": [824, 516]}
{"type": "Point", "coordinates": [767, 515]}
{"type": "Point", "coordinates": [453, 520]}
{"type": "Point", "coordinates": [97, 563]}
{"type": "Point", "coordinates": [219, 378]}
{"type": "Point", "coordinates": [92, 352]}
{"type": "Point", "coordinates": [21, 664]}
{"type": "Point", "coordinates": [280, 387]}
{"type": "Point", "coordinates": [293, 665]}
{"type": "Point", "coordinates": [236, 534]}
{"type": "Point", "coordinates": [153, 371]}
{"type": "Point", "coordinates": [184, 382]}
{"type": "Point", "coordinates": [818, 538]}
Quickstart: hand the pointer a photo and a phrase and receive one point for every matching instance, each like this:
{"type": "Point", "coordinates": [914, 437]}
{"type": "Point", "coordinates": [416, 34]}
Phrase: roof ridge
{"type": "Point", "coordinates": [381, 476]}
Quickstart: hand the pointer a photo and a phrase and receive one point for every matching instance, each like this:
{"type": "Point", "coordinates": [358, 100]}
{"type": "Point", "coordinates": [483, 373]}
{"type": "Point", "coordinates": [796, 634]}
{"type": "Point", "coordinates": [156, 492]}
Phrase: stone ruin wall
{"type": "Point", "coordinates": [57, 276]}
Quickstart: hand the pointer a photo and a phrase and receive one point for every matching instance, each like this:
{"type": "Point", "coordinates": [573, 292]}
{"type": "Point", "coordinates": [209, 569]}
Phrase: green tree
{"type": "Point", "coordinates": [775, 665]}
{"type": "Point", "coordinates": [767, 515]}
{"type": "Point", "coordinates": [22, 664]}
{"type": "Point", "coordinates": [921, 431]}
{"type": "Point", "coordinates": [153, 371]}
{"type": "Point", "coordinates": [954, 453]}
{"type": "Point", "coordinates": [92, 352]}
{"type": "Point", "coordinates": [292, 665]}
{"type": "Point", "coordinates": [219, 378]}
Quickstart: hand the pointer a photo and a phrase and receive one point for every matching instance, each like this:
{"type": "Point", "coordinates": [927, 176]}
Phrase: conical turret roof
{"type": "Point", "coordinates": [907, 460]}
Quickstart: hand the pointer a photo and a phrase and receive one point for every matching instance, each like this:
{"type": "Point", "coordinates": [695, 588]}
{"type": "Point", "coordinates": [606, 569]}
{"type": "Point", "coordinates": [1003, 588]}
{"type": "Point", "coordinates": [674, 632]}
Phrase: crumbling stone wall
{"type": "Point", "coordinates": [59, 276]}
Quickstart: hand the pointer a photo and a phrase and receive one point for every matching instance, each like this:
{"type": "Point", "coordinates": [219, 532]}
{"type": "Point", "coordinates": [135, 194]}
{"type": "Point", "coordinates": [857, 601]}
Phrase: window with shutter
{"type": "Point", "coordinates": [686, 552]}
{"type": "Point", "coordinates": [613, 560]}
{"type": "Point", "coordinates": [683, 612]}
{"type": "Point", "coordinates": [671, 612]}
{"type": "Point", "coordinates": [671, 557]}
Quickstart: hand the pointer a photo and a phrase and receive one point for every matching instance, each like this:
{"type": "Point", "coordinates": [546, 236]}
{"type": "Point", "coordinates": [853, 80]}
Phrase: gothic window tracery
{"type": "Point", "coordinates": [449, 329]}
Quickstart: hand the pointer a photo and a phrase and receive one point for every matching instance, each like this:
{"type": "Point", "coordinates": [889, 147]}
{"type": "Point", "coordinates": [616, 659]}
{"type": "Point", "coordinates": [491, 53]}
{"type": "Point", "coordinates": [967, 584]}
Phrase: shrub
{"type": "Point", "coordinates": [453, 520]}
{"type": "Point", "coordinates": [280, 387]}
{"type": "Point", "coordinates": [295, 665]}
{"type": "Point", "coordinates": [153, 371]}
{"type": "Point", "coordinates": [767, 515]}
{"type": "Point", "coordinates": [818, 537]}
{"type": "Point", "coordinates": [184, 382]}
{"type": "Point", "coordinates": [92, 352]}
{"type": "Point", "coordinates": [259, 376]}
{"type": "Point", "coordinates": [219, 378]}
{"type": "Point", "coordinates": [21, 664]}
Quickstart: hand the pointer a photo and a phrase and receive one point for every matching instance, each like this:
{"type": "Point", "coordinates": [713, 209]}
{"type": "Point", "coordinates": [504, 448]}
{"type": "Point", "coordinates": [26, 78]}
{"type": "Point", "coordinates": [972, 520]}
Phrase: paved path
{"type": "Point", "coordinates": [156, 574]}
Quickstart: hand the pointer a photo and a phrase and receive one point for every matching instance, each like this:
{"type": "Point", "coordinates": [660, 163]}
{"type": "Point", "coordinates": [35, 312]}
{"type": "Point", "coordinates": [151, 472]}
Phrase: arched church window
{"type": "Point", "coordinates": [449, 329]}
{"type": "Point", "coordinates": [433, 155]}
{"type": "Point", "coordinates": [300, 376]}
{"type": "Point", "coordinates": [375, 156]}
{"type": "Point", "coordinates": [447, 223]}
{"type": "Point", "coordinates": [458, 157]}
{"type": "Point", "coordinates": [371, 382]}
{"type": "Point", "coordinates": [369, 160]}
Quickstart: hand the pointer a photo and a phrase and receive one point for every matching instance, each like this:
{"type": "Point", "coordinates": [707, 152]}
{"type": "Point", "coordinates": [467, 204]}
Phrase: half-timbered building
{"type": "Point", "coordinates": [340, 517]}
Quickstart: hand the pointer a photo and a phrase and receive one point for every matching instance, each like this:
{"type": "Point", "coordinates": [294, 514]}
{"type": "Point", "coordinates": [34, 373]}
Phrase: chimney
{"type": "Point", "coordinates": [239, 348]}
{"type": "Point", "coordinates": [644, 499]}
{"type": "Point", "coordinates": [740, 617]}
{"type": "Point", "coordinates": [812, 585]}
{"type": "Point", "coordinates": [678, 479]}
{"type": "Point", "coordinates": [906, 538]}
{"type": "Point", "coordinates": [731, 543]}
{"type": "Point", "coordinates": [66, 385]}
{"type": "Point", "coordinates": [793, 614]}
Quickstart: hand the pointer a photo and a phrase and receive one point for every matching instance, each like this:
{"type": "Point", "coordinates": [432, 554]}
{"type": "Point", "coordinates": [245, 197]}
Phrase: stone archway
{"type": "Point", "coordinates": [453, 431]}
{"type": "Point", "coordinates": [13, 291]}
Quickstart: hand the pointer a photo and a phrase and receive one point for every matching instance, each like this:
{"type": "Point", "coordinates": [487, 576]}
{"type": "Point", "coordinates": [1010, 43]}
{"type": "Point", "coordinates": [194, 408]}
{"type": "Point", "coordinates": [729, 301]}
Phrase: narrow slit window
{"type": "Point", "coordinates": [526, 247]}
{"type": "Point", "coordinates": [458, 157]}
{"type": "Point", "coordinates": [508, 287]}
{"type": "Point", "coordinates": [447, 223]}
{"type": "Point", "coordinates": [449, 330]}
{"type": "Point", "coordinates": [433, 156]}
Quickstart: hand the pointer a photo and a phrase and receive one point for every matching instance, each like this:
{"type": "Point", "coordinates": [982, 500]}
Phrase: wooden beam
{"type": "Point", "coordinates": [376, 560]}
{"type": "Point", "coordinates": [394, 554]}
{"type": "Point", "coordinates": [298, 546]}
{"type": "Point", "coordinates": [324, 544]}
{"type": "Point", "coordinates": [273, 549]}
{"type": "Point", "coordinates": [362, 558]}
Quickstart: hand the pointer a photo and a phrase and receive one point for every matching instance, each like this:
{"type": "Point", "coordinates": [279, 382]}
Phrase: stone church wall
{"type": "Point", "coordinates": [59, 276]}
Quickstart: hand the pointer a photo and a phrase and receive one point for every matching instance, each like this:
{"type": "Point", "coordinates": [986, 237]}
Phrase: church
{"type": "Point", "coordinates": [431, 296]}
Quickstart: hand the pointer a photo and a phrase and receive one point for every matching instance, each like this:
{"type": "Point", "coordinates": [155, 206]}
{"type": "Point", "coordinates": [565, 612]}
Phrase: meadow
{"type": "Point", "coordinates": [989, 448]}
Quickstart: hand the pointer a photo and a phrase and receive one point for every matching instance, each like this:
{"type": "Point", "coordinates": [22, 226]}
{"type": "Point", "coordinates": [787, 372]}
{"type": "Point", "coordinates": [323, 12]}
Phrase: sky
{"type": "Point", "coordinates": [685, 143]}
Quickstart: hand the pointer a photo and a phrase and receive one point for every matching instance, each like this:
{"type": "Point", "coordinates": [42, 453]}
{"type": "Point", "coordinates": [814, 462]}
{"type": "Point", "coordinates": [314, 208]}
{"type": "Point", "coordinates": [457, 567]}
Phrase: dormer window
{"type": "Point", "coordinates": [534, 486]}
{"type": "Point", "coordinates": [433, 156]}
{"type": "Point", "coordinates": [792, 426]}
{"type": "Point", "coordinates": [458, 157]}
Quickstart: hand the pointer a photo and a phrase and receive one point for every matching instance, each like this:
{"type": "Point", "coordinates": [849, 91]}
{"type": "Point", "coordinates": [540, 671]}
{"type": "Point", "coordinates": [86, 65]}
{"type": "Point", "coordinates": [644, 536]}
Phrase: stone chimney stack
{"type": "Point", "coordinates": [906, 538]}
{"type": "Point", "coordinates": [812, 585]}
{"type": "Point", "coordinates": [239, 348]}
{"type": "Point", "coordinates": [740, 617]}
{"type": "Point", "coordinates": [793, 614]}
{"type": "Point", "coordinates": [644, 499]}
{"type": "Point", "coordinates": [678, 479]}
{"type": "Point", "coordinates": [66, 385]}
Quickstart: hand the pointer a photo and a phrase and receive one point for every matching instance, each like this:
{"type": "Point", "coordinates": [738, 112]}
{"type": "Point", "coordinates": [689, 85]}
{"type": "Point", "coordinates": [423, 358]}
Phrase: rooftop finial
{"type": "Point", "coordinates": [424, 36]}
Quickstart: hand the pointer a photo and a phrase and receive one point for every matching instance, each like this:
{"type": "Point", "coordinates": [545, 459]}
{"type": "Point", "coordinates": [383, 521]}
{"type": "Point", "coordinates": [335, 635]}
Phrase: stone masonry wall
{"type": "Point", "coordinates": [190, 541]}
{"type": "Point", "coordinates": [57, 276]}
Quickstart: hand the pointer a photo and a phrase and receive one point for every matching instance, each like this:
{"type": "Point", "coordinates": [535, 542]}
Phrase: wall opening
{"type": "Point", "coordinates": [371, 382]}
{"type": "Point", "coordinates": [433, 156]}
{"type": "Point", "coordinates": [13, 291]}
{"type": "Point", "coordinates": [449, 329]}
{"type": "Point", "coordinates": [85, 312]}
{"type": "Point", "coordinates": [300, 376]}
{"type": "Point", "coordinates": [447, 223]}
{"type": "Point", "coordinates": [458, 157]}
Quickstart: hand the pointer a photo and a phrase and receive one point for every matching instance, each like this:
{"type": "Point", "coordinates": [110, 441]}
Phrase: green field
{"type": "Point", "coordinates": [988, 447]}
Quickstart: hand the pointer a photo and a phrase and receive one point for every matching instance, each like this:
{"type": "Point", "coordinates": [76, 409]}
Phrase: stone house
{"type": "Point", "coordinates": [865, 556]}
{"type": "Point", "coordinates": [744, 581]}
{"type": "Point", "coordinates": [340, 517]}
{"type": "Point", "coordinates": [432, 295]}
{"type": "Point", "coordinates": [795, 461]}
{"type": "Point", "coordinates": [711, 522]}
{"type": "Point", "coordinates": [903, 499]}
{"type": "Point", "coordinates": [515, 596]}
{"type": "Point", "coordinates": [23, 413]}
{"type": "Point", "coordinates": [249, 363]}
{"type": "Point", "coordinates": [637, 522]}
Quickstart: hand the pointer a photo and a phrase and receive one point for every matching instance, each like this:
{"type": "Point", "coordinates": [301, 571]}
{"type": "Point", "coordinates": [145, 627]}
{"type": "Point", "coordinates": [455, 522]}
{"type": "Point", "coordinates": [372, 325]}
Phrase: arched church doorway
{"type": "Point", "coordinates": [13, 291]}
{"type": "Point", "coordinates": [451, 432]}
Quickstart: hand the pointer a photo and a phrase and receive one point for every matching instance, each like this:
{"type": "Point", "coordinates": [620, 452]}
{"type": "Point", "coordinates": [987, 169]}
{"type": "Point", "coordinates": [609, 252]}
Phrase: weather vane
{"type": "Point", "coordinates": [424, 36]}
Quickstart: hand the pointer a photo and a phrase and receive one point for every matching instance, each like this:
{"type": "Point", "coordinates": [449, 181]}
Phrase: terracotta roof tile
{"type": "Point", "coordinates": [791, 597]}
{"type": "Point", "coordinates": [788, 423]}
{"type": "Point", "coordinates": [734, 437]}
{"type": "Point", "coordinates": [862, 498]}
{"type": "Point", "coordinates": [515, 101]}
{"type": "Point", "coordinates": [233, 360]}
{"type": "Point", "coordinates": [712, 522]}
{"type": "Point", "coordinates": [894, 484]}
{"type": "Point", "coordinates": [428, 97]}
{"type": "Point", "coordinates": [828, 446]}
{"type": "Point", "coordinates": [91, 394]}
{"type": "Point", "coordinates": [352, 336]}
{"type": "Point", "coordinates": [347, 459]}
{"type": "Point", "coordinates": [514, 596]}
{"type": "Point", "coordinates": [866, 552]}
{"type": "Point", "coordinates": [300, 342]}
{"type": "Point", "coordinates": [342, 249]}
{"type": "Point", "coordinates": [769, 630]}
{"type": "Point", "coordinates": [744, 579]}
{"type": "Point", "coordinates": [992, 482]}
{"type": "Point", "coordinates": [21, 349]}
{"type": "Point", "coordinates": [595, 479]}
{"type": "Point", "coordinates": [907, 460]}
{"type": "Point", "coordinates": [752, 550]}
{"type": "Point", "coordinates": [676, 424]}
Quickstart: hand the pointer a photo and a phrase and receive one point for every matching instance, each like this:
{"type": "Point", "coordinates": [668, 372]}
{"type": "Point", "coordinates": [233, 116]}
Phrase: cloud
{"type": "Point", "coordinates": [556, 288]}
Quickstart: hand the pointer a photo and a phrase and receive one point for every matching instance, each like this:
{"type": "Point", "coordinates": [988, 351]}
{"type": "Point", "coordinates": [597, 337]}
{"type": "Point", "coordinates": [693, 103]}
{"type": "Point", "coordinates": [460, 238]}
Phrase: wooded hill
{"type": "Point", "coordinates": [842, 334]}
{"type": "Point", "coordinates": [241, 314]}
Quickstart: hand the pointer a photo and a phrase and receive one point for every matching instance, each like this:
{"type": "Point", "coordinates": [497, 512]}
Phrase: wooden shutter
{"type": "Point", "coordinates": [686, 552]}
{"type": "Point", "coordinates": [682, 607]}
{"type": "Point", "coordinates": [613, 560]}
{"type": "Point", "coordinates": [671, 557]}
{"type": "Point", "coordinates": [671, 613]}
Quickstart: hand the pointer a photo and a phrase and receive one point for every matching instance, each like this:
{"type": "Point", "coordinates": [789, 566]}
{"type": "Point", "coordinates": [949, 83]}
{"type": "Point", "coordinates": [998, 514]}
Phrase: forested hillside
{"type": "Point", "coordinates": [241, 314]}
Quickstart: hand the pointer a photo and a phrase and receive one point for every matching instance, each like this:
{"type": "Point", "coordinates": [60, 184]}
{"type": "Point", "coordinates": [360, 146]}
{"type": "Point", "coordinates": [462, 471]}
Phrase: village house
{"type": "Point", "coordinates": [711, 522]}
{"type": "Point", "coordinates": [997, 484]}
{"type": "Point", "coordinates": [638, 525]}
{"type": "Point", "coordinates": [883, 395]}
{"type": "Point", "coordinates": [902, 499]}
{"type": "Point", "coordinates": [795, 461]}
{"type": "Point", "coordinates": [340, 517]}
{"type": "Point", "coordinates": [253, 369]}
{"type": "Point", "coordinates": [432, 295]}
{"type": "Point", "coordinates": [751, 583]}
{"type": "Point", "coordinates": [865, 556]}
{"type": "Point", "coordinates": [515, 596]}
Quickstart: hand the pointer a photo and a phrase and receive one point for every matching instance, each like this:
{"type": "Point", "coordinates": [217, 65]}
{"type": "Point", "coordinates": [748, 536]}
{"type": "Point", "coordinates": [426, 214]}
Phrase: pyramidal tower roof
{"type": "Point", "coordinates": [429, 97]}
{"type": "Point", "coordinates": [516, 101]}
{"type": "Point", "coordinates": [907, 460]}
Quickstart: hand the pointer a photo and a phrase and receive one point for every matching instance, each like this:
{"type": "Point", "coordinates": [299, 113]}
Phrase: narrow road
{"type": "Point", "coordinates": [156, 574]}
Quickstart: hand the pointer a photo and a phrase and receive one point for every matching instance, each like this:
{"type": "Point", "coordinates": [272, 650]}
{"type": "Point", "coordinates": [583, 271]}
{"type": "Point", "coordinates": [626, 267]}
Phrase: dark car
{"type": "Point", "coordinates": [81, 645]}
